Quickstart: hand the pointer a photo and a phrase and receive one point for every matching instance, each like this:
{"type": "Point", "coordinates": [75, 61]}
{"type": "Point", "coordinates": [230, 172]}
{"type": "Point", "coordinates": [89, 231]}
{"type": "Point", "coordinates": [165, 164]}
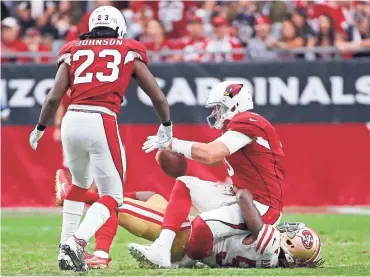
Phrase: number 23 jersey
{"type": "Point", "coordinates": [101, 69]}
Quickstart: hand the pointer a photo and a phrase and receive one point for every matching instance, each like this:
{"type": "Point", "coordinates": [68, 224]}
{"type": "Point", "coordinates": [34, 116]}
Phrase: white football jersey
{"type": "Point", "coordinates": [231, 252]}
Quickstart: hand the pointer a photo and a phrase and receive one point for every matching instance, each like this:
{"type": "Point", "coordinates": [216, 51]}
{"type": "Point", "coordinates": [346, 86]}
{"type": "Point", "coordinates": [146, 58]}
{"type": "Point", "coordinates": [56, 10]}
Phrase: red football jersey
{"type": "Point", "coordinates": [258, 166]}
{"type": "Point", "coordinates": [101, 69]}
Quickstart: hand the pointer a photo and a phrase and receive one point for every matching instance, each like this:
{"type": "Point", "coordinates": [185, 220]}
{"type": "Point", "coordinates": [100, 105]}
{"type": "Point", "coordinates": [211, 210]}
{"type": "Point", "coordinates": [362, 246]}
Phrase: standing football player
{"type": "Point", "coordinates": [252, 154]}
{"type": "Point", "coordinates": [97, 68]}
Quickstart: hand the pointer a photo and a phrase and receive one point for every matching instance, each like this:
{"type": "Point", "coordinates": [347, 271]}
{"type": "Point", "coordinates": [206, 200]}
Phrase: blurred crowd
{"type": "Point", "coordinates": [196, 31]}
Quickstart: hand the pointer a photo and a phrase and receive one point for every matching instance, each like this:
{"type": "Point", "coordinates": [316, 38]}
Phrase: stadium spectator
{"type": "Point", "coordinates": [277, 11]}
{"type": "Point", "coordinates": [24, 16]}
{"type": "Point", "coordinates": [33, 39]}
{"type": "Point", "coordinates": [258, 45]}
{"type": "Point", "coordinates": [358, 36]}
{"type": "Point", "coordinates": [326, 36]}
{"type": "Point", "coordinates": [194, 43]}
{"type": "Point", "coordinates": [62, 18]}
{"type": "Point", "coordinates": [290, 38]}
{"type": "Point", "coordinates": [10, 42]}
{"type": "Point", "coordinates": [222, 47]}
{"type": "Point", "coordinates": [157, 43]}
{"type": "Point", "coordinates": [45, 26]}
{"type": "Point", "coordinates": [299, 19]}
{"type": "Point", "coordinates": [172, 14]}
{"type": "Point", "coordinates": [313, 12]}
{"type": "Point", "coordinates": [244, 20]}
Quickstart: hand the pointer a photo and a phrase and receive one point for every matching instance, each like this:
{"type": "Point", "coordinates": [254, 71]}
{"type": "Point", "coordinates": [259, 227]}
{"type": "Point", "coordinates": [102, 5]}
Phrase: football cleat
{"type": "Point", "coordinates": [61, 185]}
{"type": "Point", "coordinates": [87, 255]}
{"type": "Point", "coordinates": [64, 262]}
{"type": "Point", "coordinates": [73, 256]}
{"type": "Point", "coordinates": [154, 256]}
{"type": "Point", "coordinates": [96, 262]}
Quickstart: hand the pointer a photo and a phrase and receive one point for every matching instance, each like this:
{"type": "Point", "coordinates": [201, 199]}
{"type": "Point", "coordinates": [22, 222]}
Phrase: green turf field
{"type": "Point", "coordinates": [30, 246]}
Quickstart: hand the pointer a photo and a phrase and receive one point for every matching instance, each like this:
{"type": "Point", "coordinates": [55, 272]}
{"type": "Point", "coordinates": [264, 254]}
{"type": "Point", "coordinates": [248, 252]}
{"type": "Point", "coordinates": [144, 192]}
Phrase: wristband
{"type": "Point", "coordinates": [40, 127]}
{"type": "Point", "coordinates": [167, 124]}
{"type": "Point", "coordinates": [182, 147]}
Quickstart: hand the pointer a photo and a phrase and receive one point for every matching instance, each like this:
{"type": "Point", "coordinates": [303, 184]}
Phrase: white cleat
{"type": "Point", "coordinates": [64, 261]}
{"type": "Point", "coordinates": [71, 256]}
{"type": "Point", "coordinates": [153, 256]}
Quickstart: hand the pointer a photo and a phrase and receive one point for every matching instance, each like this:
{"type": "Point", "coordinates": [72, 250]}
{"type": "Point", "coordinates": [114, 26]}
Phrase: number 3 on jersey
{"type": "Point", "coordinates": [90, 56]}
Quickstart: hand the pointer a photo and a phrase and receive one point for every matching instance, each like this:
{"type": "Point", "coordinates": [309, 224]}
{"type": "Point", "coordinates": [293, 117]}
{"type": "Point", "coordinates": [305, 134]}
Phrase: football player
{"type": "Point", "coordinates": [288, 245]}
{"type": "Point", "coordinates": [97, 68]}
{"type": "Point", "coordinates": [250, 150]}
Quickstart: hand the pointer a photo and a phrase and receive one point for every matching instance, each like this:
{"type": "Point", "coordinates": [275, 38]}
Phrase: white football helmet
{"type": "Point", "coordinates": [108, 16]}
{"type": "Point", "coordinates": [227, 99]}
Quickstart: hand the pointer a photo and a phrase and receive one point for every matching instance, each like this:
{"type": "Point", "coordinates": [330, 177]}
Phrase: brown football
{"type": "Point", "coordinates": [173, 164]}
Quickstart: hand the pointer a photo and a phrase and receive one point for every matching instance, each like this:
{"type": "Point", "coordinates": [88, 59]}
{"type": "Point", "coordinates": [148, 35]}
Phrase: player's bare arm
{"type": "Point", "coordinates": [147, 82]}
{"type": "Point", "coordinates": [55, 95]}
{"type": "Point", "coordinates": [251, 216]}
{"type": "Point", "coordinates": [51, 104]}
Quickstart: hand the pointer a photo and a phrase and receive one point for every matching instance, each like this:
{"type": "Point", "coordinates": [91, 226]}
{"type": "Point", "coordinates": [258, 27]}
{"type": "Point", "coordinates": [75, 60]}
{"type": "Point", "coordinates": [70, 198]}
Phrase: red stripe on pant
{"type": "Point", "coordinates": [110, 128]}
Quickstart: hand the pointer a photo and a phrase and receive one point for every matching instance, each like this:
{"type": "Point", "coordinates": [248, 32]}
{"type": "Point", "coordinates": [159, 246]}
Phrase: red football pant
{"type": "Point", "coordinates": [178, 207]}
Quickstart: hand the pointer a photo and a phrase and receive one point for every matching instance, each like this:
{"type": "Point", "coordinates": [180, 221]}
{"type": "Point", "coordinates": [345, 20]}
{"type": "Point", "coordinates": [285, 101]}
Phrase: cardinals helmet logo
{"type": "Point", "coordinates": [232, 90]}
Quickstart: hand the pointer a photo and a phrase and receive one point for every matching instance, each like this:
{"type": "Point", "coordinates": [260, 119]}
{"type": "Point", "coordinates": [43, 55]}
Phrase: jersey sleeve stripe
{"type": "Point", "coordinates": [262, 237]}
{"type": "Point", "coordinates": [268, 241]}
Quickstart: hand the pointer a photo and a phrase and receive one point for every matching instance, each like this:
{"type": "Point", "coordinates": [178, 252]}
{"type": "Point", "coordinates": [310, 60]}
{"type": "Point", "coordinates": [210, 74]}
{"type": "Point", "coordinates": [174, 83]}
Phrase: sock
{"type": "Point", "coordinates": [166, 238]}
{"type": "Point", "coordinates": [76, 193]}
{"type": "Point", "coordinates": [91, 197]}
{"type": "Point", "coordinates": [101, 254]}
{"type": "Point", "coordinates": [96, 216]}
{"type": "Point", "coordinates": [178, 207]}
{"type": "Point", "coordinates": [72, 213]}
{"type": "Point", "coordinates": [105, 235]}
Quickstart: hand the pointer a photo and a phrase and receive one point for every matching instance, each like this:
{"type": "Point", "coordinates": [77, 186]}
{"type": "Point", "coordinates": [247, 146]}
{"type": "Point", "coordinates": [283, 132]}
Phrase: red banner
{"type": "Point", "coordinates": [326, 164]}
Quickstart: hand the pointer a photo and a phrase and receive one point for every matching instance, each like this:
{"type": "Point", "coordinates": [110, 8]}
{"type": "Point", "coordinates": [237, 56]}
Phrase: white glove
{"type": "Point", "coordinates": [164, 136]}
{"type": "Point", "coordinates": [152, 143]}
{"type": "Point", "coordinates": [35, 137]}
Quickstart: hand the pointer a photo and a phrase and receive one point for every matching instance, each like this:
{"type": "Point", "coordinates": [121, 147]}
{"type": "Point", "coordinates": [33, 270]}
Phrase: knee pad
{"type": "Point", "coordinates": [200, 244]}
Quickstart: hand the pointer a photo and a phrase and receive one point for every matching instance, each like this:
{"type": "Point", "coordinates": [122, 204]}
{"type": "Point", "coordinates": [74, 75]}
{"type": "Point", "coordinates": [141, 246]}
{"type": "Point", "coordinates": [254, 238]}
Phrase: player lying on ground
{"type": "Point", "coordinates": [250, 150]}
{"type": "Point", "coordinates": [290, 244]}
{"type": "Point", "coordinates": [98, 68]}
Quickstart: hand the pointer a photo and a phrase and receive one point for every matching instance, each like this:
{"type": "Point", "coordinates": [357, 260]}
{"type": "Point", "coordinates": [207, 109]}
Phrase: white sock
{"type": "Point", "coordinates": [72, 213]}
{"type": "Point", "coordinates": [101, 254]}
{"type": "Point", "coordinates": [95, 217]}
{"type": "Point", "coordinates": [166, 238]}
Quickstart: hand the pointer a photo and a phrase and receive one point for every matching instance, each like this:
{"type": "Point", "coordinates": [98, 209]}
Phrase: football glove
{"type": "Point", "coordinates": [152, 143]}
{"type": "Point", "coordinates": [35, 136]}
{"type": "Point", "coordinates": [164, 136]}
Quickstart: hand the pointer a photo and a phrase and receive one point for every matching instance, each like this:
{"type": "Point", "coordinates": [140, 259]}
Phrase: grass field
{"type": "Point", "coordinates": [30, 244]}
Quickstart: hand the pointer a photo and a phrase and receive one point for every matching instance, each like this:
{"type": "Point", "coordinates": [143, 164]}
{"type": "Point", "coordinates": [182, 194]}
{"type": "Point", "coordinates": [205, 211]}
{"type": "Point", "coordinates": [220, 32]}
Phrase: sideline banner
{"type": "Point", "coordinates": [319, 109]}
